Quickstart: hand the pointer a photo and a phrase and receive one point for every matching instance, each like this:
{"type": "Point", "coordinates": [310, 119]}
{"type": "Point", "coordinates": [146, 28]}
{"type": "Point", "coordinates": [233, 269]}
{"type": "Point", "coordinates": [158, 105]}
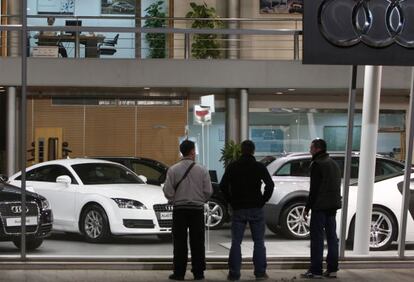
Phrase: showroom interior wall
{"type": "Point", "coordinates": [277, 47]}
{"type": "Point", "coordinates": [303, 118]}
{"type": "Point", "coordinates": [145, 131]}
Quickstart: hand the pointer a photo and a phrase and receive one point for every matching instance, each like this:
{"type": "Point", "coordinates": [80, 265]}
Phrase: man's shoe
{"type": "Point", "coordinates": [199, 277]}
{"type": "Point", "coordinates": [232, 278]}
{"type": "Point", "coordinates": [309, 275]}
{"type": "Point", "coordinates": [262, 276]}
{"type": "Point", "coordinates": [329, 274]}
{"type": "Point", "coordinates": [176, 277]}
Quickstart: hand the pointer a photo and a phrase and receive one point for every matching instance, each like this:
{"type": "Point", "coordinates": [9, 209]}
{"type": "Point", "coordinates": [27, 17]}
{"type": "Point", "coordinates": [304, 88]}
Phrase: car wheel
{"type": "Point", "coordinates": [95, 224]}
{"type": "Point", "coordinates": [383, 230]}
{"type": "Point", "coordinates": [31, 244]}
{"type": "Point", "coordinates": [292, 222]}
{"type": "Point", "coordinates": [216, 215]}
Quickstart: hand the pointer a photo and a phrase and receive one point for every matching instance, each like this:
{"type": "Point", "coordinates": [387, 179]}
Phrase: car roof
{"type": "Point", "coordinates": [73, 161]}
{"type": "Point", "coordinates": [132, 158]}
{"type": "Point", "coordinates": [333, 154]}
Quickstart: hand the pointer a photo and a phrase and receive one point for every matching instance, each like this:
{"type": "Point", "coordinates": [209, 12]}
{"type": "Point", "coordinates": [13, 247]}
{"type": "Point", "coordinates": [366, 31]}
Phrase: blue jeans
{"type": "Point", "coordinates": [323, 223]}
{"type": "Point", "coordinates": [255, 218]}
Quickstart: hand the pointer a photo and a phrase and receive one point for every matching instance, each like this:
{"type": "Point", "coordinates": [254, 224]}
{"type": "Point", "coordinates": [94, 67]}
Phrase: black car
{"type": "Point", "coordinates": [39, 216]}
{"type": "Point", "coordinates": [155, 172]}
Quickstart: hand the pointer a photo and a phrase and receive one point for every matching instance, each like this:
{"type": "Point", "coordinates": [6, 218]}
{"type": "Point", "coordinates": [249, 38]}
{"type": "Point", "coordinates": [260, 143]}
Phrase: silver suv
{"type": "Point", "coordinates": [290, 173]}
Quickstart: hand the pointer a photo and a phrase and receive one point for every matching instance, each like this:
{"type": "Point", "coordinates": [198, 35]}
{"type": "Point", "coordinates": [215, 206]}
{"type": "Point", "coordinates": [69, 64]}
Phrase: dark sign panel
{"type": "Point", "coordinates": [359, 32]}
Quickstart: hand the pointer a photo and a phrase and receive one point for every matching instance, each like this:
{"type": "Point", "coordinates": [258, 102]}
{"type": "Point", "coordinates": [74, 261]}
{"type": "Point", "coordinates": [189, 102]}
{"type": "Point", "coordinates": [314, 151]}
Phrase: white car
{"type": "Point", "coordinates": [99, 198]}
{"type": "Point", "coordinates": [290, 173]}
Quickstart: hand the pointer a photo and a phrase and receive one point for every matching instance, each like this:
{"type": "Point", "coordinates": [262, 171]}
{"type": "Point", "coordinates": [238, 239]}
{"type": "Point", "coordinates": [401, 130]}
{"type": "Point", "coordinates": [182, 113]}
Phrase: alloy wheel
{"type": "Point", "coordinates": [214, 215]}
{"type": "Point", "coordinates": [381, 229]}
{"type": "Point", "coordinates": [297, 223]}
{"type": "Point", "coordinates": [93, 224]}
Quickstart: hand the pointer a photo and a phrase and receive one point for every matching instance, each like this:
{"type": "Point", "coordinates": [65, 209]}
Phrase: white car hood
{"type": "Point", "coordinates": [145, 193]}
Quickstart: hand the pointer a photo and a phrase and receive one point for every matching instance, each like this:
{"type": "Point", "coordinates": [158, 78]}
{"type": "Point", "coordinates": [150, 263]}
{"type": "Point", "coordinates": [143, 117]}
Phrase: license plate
{"type": "Point", "coordinates": [17, 221]}
{"type": "Point", "coordinates": [166, 216]}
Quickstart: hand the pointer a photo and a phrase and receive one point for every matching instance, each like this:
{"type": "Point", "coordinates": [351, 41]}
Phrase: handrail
{"type": "Point", "coordinates": [156, 30]}
{"type": "Point", "coordinates": [292, 19]}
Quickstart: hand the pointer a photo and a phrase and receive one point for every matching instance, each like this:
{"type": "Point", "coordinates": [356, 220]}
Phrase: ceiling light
{"type": "Point", "coordinates": [291, 89]}
{"type": "Point", "coordinates": [147, 88]}
{"type": "Point", "coordinates": [279, 93]}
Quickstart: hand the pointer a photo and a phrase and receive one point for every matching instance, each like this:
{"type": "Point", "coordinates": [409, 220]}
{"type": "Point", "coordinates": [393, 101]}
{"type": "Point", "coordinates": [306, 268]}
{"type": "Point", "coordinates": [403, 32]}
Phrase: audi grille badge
{"type": "Point", "coordinates": [18, 209]}
{"type": "Point", "coordinates": [375, 23]}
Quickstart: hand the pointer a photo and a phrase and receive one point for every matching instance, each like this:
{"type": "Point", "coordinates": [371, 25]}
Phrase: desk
{"type": "Point", "coordinates": [90, 41]}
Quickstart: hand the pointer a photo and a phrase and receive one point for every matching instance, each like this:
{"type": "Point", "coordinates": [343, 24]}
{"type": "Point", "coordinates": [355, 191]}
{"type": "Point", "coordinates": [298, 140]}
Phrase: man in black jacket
{"type": "Point", "coordinates": [241, 185]}
{"type": "Point", "coordinates": [324, 200]}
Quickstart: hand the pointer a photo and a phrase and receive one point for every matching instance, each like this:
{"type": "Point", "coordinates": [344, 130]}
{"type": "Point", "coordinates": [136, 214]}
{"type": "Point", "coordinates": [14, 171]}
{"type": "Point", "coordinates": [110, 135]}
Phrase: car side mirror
{"type": "Point", "coordinates": [143, 178]}
{"type": "Point", "coordinates": [64, 179]}
{"type": "Point", "coordinates": [3, 178]}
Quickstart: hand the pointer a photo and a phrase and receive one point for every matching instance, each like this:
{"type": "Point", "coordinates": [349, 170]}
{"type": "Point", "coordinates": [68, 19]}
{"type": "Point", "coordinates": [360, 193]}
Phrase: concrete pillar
{"type": "Point", "coordinates": [233, 44]}
{"type": "Point", "coordinates": [11, 140]}
{"type": "Point", "coordinates": [244, 114]}
{"type": "Point", "coordinates": [232, 117]}
{"type": "Point", "coordinates": [13, 43]}
{"type": "Point", "coordinates": [369, 135]}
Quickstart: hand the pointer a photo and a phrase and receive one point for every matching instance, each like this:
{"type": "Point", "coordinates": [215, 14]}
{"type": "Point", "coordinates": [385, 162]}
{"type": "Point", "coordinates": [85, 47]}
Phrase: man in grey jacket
{"type": "Point", "coordinates": [188, 187]}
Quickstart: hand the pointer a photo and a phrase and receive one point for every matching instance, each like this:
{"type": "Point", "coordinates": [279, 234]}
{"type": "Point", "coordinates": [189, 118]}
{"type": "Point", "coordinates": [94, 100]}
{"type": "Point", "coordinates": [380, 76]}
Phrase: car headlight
{"type": "Point", "coordinates": [129, 204]}
{"type": "Point", "coordinates": [45, 204]}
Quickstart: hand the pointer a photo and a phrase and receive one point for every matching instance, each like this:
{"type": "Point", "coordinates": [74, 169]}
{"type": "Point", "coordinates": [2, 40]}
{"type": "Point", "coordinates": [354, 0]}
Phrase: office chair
{"type": "Point", "coordinates": [111, 42]}
{"type": "Point", "coordinates": [107, 47]}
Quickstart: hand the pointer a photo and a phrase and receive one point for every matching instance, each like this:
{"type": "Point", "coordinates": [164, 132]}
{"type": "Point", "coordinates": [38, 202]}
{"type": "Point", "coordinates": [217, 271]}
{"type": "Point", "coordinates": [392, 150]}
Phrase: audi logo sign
{"type": "Point", "coordinates": [18, 209]}
{"type": "Point", "coordinates": [359, 32]}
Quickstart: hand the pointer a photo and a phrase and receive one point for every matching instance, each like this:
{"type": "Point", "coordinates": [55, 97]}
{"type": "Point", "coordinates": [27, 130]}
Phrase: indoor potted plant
{"type": "Point", "coordinates": [230, 153]}
{"type": "Point", "coordinates": [205, 46]}
{"type": "Point", "coordinates": [156, 41]}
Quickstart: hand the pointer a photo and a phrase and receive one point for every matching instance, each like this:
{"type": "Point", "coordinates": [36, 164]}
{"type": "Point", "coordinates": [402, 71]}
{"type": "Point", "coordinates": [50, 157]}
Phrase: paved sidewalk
{"type": "Point", "coordinates": [377, 275]}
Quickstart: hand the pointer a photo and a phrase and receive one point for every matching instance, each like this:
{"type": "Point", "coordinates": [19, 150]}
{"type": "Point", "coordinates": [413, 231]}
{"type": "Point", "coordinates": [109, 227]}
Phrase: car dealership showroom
{"type": "Point", "coordinates": [96, 97]}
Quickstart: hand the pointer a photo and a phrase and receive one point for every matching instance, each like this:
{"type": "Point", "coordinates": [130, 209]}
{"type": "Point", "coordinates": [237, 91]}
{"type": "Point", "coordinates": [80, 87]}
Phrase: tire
{"type": "Point", "coordinates": [383, 230]}
{"type": "Point", "coordinates": [31, 244]}
{"type": "Point", "coordinates": [217, 216]}
{"type": "Point", "coordinates": [94, 224]}
{"type": "Point", "coordinates": [292, 223]}
{"type": "Point", "coordinates": [273, 227]}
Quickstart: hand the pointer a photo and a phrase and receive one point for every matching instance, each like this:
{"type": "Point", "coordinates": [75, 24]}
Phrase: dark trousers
{"type": "Point", "coordinates": [193, 221]}
{"type": "Point", "coordinates": [255, 218]}
{"type": "Point", "coordinates": [323, 223]}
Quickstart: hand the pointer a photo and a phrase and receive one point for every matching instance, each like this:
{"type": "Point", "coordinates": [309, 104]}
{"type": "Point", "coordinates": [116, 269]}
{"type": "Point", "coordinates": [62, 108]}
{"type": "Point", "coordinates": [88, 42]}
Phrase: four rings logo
{"type": "Point", "coordinates": [376, 23]}
{"type": "Point", "coordinates": [18, 209]}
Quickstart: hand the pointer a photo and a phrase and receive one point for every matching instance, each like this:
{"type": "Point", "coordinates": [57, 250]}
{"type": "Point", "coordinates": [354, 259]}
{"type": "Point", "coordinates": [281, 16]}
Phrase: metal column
{"type": "Point", "coordinates": [232, 117]}
{"type": "Point", "coordinates": [348, 159]}
{"type": "Point", "coordinates": [244, 114]}
{"type": "Point", "coordinates": [369, 135]}
{"type": "Point", "coordinates": [13, 43]}
{"type": "Point", "coordinates": [23, 125]}
{"type": "Point", "coordinates": [11, 144]}
{"type": "Point", "coordinates": [233, 45]}
{"type": "Point", "coordinates": [232, 113]}
{"type": "Point", "coordinates": [407, 174]}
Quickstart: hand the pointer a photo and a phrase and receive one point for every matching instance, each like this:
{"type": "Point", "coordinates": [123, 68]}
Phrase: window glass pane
{"type": "Point", "coordinates": [48, 174]}
{"type": "Point", "coordinates": [300, 168]}
{"type": "Point", "coordinates": [284, 170]}
{"type": "Point", "coordinates": [98, 173]}
{"type": "Point", "coordinates": [146, 170]}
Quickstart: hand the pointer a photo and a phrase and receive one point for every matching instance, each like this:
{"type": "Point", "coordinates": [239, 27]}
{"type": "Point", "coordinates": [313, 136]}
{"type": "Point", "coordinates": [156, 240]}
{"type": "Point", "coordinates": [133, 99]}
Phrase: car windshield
{"type": "Point", "coordinates": [104, 173]}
